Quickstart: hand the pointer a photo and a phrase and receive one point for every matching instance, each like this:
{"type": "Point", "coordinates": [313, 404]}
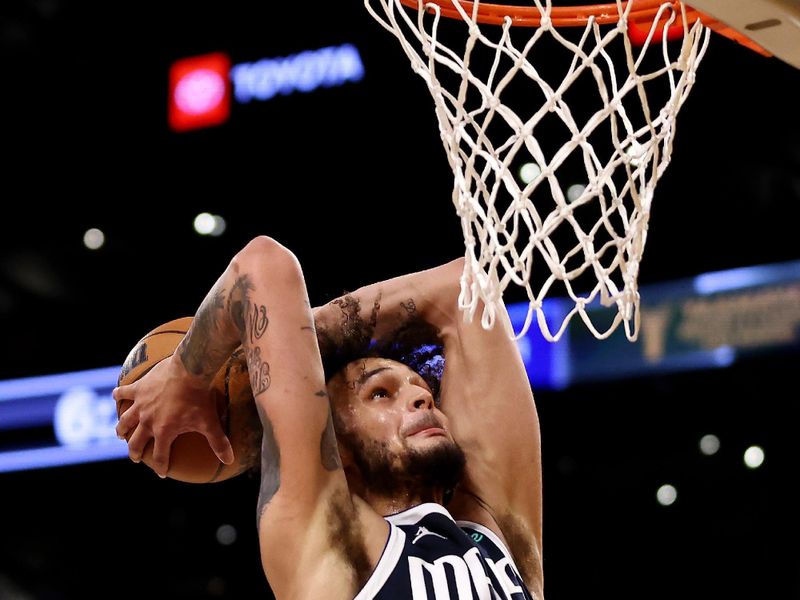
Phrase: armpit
{"type": "Point", "coordinates": [524, 550]}
{"type": "Point", "coordinates": [347, 535]}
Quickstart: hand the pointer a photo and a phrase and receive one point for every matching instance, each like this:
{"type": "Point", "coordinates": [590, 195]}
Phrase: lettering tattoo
{"type": "Point", "coordinates": [258, 369]}
{"type": "Point", "coordinates": [270, 464]}
{"type": "Point", "coordinates": [258, 322]}
{"type": "Point", "coordinates": [251, 320]}
{"type": "Point", "coordinates": [248, 317]}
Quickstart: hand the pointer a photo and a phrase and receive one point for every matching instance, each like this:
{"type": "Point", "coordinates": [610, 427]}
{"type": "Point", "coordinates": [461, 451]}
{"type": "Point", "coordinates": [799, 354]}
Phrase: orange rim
{"type": "Point", "coordinates": [642, 13]}
{"type": "Point", "coordinates": [561, 16]}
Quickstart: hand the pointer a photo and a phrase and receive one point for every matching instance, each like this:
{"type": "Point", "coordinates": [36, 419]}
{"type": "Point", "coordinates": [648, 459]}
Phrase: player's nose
{"type": "Point", "coordinates": [418, 398]}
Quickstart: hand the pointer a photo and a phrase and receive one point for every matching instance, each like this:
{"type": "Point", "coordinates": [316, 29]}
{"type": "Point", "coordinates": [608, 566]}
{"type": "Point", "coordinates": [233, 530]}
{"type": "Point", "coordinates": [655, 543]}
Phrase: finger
{"type": "Point", "coordinates": [220, 443]}
{"type": "Point", "coordinates": [161, 451]}
{"type": "Point", "coordinates": [125, 437]}
{"type": "Point", "coordinates": [127, 422]}
{"type": "Point", "coordinates": [124, 392]}
{"type": "Point", "coordinates": [137, 443]}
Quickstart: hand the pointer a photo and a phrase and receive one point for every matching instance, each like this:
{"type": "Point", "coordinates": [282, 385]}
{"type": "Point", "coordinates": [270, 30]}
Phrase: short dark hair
{"type": "Point", "coordinates": [414, 342]}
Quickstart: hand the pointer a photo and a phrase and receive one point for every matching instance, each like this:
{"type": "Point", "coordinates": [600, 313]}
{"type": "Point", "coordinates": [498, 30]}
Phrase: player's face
{"type": "Point", "coordinates": [389, 402]}
{"type": "Point", "coordinates": [387, 418]}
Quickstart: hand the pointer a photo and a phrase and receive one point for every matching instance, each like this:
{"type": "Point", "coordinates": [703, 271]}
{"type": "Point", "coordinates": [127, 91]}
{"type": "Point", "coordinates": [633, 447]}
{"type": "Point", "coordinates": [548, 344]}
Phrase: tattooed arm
{"type": "Point", "coordinates": [387, 316]}
{"type": "Point", "coordinates": [226, 319]}
{"type": "Point", "coordinates": [260, 302]}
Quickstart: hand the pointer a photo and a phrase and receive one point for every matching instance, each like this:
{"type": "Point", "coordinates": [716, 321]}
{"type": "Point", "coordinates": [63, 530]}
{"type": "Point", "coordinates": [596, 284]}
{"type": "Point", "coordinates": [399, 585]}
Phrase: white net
{"type": "Point", "coordinates": [555, 161]}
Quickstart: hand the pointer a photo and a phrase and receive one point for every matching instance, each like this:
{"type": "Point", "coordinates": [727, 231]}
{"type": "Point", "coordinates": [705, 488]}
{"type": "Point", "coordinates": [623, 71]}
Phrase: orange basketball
{"type": "Point", "coordinates": [191, 459]}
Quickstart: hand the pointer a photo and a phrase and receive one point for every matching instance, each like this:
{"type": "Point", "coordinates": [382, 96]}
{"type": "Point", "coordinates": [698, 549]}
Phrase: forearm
{"type": "Point", "coordinates": [383, 307]}
{"type": "Point", "coordinates": [393, 318]}
{"type": "Point", "coordinates": [224, 317]}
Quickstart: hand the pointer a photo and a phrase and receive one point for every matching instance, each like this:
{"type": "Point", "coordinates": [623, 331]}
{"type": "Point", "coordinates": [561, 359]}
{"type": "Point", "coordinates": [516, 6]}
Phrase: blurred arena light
{"type": "Point", "coordinates": [754, 457]}
{"type": "Point", "coordinates": [208, 224]}
{"type": "Point", "coordinates": [226, 534]}
{"type": "Point", "coordinates": [529, 171]}
{"type": "Point", "coordinates": [709, 444]}
{"type": "Point", "coordinates": [666, 495]}
{"type": "Point", "coordinates": [94, 238]}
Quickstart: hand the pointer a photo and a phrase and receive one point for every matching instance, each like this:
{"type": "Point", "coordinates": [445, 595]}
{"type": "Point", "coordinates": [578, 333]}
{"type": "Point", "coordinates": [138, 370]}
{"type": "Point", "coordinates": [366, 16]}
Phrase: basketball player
{"type": "Point", "coordinates": [383, 482]}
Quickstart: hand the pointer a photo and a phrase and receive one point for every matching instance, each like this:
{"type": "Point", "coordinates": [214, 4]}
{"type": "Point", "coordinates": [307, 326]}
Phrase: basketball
{"type": "Point", "coordinates": [191, 458]}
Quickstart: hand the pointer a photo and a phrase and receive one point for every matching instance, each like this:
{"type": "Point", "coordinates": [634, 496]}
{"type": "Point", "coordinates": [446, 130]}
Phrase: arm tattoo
{"type": "Point", "coordinates": [258, 322]}
{"type": "Point", "coordinates": [198, 350]}
{"type": "Point", "coordinates": [328, 450]}
{"type": "Point", "coordinates": [256, 365]}
{"type": "Point", "coordinates": [258, 370]}
{"type": "Point", "coordinates": [410, 307]}
{"type": "Point", "coordinates": [251, 321]}
{"type": "Point", "coordinates": [238, 300]}
{"type": "Point", "coordinates": [270, 464]}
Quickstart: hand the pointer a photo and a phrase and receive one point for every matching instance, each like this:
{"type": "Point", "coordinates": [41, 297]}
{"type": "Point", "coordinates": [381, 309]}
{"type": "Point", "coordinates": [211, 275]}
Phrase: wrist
{"type": "Point", "coordinates": [179, 371]}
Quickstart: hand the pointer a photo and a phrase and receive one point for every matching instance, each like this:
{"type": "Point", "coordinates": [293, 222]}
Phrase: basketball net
{"type": "Point", "coordinates": [586, 244]}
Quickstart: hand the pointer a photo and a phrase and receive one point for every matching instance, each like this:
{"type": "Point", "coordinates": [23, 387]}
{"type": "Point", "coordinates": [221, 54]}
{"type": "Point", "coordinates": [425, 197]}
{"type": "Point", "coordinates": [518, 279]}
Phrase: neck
{"type": "Point", "coordinates": [399, 500]}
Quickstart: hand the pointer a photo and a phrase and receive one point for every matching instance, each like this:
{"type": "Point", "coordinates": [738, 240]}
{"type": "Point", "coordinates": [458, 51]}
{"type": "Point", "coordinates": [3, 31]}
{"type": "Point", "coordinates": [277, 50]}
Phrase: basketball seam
{"type": "Point", "coordinates": [166, 331]}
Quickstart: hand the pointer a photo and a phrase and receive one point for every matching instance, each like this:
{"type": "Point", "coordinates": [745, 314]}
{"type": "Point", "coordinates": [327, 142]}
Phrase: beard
{"type": "Point", "coordinates": [420, 471]}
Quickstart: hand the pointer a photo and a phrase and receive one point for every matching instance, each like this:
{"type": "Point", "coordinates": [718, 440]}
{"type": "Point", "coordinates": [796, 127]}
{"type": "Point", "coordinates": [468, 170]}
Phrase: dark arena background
{"type": "Point", "coordinates": [670, 464]}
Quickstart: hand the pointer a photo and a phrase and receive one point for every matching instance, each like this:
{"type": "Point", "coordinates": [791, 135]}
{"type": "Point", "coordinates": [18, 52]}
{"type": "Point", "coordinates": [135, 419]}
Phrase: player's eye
{"type": "Point", "coordinates": [378, 392]}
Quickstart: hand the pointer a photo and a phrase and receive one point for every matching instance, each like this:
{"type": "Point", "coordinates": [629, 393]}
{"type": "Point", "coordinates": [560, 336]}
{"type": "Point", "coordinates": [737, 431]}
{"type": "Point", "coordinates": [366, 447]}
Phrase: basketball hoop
{"type": "Point", "coordinates": [501, 105]}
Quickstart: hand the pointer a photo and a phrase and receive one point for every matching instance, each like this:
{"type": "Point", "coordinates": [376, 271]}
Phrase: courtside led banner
{"type": "Point", "coordinates": [202, 88]}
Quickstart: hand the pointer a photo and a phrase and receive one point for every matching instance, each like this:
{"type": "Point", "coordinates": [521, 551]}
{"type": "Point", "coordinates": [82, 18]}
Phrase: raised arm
{"type": "Point", "coordinates": [485, 394]}
{"type": "Point", "coordinates": [351, 324]}
{"type": "Point", "coordinates": [261, 303]}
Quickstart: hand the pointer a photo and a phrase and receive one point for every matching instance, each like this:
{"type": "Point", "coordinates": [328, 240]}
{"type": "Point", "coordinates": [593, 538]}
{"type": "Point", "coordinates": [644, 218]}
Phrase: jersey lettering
{"type": "Point", "coordinates": [431, 556]}
{"type": "Point", "coordinates": [467, 571]}
{"type": "Point", "coordinates": [499, 569]}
